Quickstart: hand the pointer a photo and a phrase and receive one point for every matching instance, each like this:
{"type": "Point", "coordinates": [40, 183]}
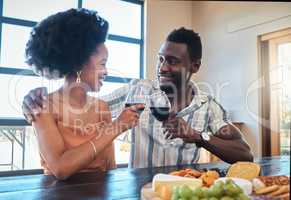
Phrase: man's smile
{"type": "Point", "coordinates": [166, 77]}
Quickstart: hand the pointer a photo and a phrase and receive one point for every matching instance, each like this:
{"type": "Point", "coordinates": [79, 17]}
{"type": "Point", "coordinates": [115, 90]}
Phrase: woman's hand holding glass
{"type": "Point", "coordinates": [138, 94]}
{"type": "Point", "coordinates": [129, 117]}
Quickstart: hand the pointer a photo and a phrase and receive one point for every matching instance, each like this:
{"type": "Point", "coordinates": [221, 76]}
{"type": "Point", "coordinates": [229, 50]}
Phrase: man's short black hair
{"type": "Point", "coordinates": [66, 40]}
{"type": "Point", "coordinates": [190, 38]}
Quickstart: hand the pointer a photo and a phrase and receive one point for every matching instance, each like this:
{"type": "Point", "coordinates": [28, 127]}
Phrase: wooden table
{"type": "Point", "coordinates": [122, 183]}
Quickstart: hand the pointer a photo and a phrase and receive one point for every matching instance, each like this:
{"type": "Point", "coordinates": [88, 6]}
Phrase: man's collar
{"type": "Point", "coordinates": [199, 96]}
{"type": "Point", "coordinates": [198, 99]}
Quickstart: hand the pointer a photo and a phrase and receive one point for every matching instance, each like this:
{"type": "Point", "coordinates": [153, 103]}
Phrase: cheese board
{"type": "Point", "coordinates": [242, 182]}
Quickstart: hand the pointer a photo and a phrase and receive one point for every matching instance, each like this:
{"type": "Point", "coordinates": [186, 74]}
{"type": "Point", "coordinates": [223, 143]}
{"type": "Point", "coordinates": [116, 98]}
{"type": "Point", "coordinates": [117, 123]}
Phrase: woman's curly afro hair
{"type": "Point", "coordinates": [65, 41]}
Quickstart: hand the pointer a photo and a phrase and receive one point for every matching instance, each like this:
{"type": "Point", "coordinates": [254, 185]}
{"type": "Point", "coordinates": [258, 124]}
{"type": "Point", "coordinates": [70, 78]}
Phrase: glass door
{"type": "Point", "coordinates": [280, 94]}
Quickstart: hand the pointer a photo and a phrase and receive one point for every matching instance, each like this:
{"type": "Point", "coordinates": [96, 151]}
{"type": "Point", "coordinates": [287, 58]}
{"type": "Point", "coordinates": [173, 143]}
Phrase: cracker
{"type": "Point", "coordinates": [282, 190]}
{"type": "Point", "coordinates": [267, 190]}
{"type": "Point", "coordinates": [285, 196]}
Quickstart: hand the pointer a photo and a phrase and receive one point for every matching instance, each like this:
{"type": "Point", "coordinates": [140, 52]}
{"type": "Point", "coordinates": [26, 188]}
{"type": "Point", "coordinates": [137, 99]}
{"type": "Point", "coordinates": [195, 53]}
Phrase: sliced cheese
{"type": "Point", "coordinates": [163, 184]}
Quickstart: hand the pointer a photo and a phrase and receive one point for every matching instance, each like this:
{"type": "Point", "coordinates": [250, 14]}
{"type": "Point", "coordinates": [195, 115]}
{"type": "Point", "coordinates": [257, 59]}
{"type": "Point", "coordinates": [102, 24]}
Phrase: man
{"type": "Point", "coordinates": [196, 119]}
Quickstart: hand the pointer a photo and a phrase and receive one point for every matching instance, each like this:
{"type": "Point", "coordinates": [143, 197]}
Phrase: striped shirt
{"type": "Point", "coordinates": [204, 114]}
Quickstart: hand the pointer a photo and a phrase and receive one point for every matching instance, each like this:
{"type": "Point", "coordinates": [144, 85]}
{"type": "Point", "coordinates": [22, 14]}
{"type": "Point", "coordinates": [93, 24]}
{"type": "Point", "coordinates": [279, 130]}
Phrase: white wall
{"type": "Point", "coordinates": [229, 33]}
{"type": "Point", "coordinates": [161, 17]}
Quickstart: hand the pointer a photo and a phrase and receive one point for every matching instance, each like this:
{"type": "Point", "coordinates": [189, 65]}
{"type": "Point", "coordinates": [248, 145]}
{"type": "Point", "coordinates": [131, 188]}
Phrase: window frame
{"type": "Point", "coordinates": [10, 70]}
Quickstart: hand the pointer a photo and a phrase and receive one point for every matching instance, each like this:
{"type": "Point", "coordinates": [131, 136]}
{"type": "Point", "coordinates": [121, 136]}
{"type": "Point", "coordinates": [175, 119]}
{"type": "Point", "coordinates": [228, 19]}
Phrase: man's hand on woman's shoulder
{"type": "Point", "coordinates": [33, 102]}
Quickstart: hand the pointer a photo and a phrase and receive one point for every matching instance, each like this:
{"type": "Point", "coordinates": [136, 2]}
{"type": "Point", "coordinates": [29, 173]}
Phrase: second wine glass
{"type": "Point", "coordinates": [160, 106]}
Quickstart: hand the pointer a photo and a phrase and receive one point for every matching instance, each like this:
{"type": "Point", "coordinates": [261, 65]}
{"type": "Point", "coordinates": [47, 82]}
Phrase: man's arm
{"type": "Point", "coordinates": [228, 145]}
{"type": "Point", "coordinates": [33, 102]}
{"type": "Point", "coordinates": [226, 142]}
{"type": "Point", "coordinates": [116, 99]}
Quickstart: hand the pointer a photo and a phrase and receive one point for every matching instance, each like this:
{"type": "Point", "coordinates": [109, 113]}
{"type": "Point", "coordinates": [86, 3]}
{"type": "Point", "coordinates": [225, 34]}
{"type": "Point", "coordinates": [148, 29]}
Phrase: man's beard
{"type": "Point", "coordinates": [172, 87]}
{"type": "Point", "coordinates": [168, 88]}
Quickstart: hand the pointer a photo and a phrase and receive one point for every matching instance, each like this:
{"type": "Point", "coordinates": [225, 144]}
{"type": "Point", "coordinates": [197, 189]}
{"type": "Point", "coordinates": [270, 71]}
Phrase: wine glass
{"type": "Point", "coordinates": [160, 107]}
{"type": "Point", "coordinates": [138, 94]}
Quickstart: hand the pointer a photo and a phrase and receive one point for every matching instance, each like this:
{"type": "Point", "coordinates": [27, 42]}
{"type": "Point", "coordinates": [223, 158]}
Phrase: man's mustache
{"type": "Point", "coordinates": [170, 75]}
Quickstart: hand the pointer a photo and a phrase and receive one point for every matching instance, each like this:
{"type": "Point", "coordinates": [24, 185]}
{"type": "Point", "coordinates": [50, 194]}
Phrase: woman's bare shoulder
{"type": "Point", "coordinates": [102, 109]}
{"type": "Point", "coordinates": [100, 104]}
{"type": "Point", "coordinates": [54, 103]}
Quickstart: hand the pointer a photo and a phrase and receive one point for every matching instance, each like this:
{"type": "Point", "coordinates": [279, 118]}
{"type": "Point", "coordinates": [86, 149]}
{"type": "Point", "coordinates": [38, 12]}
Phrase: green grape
{"type": "Point", "coordinates": [213, 198]}
{"type": "Point", "coordinates": [182, 198]}
{"type": "Point", "coordinates": [229, 181]}
{"type": "Point", "coordinates": [185, 191]}
{"type": "Point", "coordinates": [219, 184]}
{"type": "Point", "coordinates": [194, 198]}
{"type": "Point", "coordinates": [175, 196]}
{"type": "Point", "coordinates": [204, 199]}
{"type": "Point", "coordinates": [226, 198]}
{"type": "Point", "coordinates": [215, 191]}
{"type": "Point", "coordinates": [175, 193]}
{"type": "Point", "coordinates": [238, 189]}
{"type": "Point", "coordinates": [242, 196]}
{"type": "Point", "coordinates": [207, 193]}
{"type": "Point", "coordinates": [204, 193]}
{"type": "Point", "coordinates": [231, 190]}
{"type": "Point", "coordinates": [198, 192]}
{"type": "Point", "coordinates": [175, 190]}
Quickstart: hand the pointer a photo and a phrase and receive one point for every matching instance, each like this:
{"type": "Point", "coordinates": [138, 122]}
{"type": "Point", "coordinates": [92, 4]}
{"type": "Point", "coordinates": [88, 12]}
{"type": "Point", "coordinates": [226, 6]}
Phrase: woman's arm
{"type": "Point", "coordinates": [63, 163]}
{"type": "Point", "coordinates": [60, 161]}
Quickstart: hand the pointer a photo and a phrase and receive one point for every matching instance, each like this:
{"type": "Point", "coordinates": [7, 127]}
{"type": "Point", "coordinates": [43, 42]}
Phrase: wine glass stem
{"type": "Point", "coordinates": [164, 157]}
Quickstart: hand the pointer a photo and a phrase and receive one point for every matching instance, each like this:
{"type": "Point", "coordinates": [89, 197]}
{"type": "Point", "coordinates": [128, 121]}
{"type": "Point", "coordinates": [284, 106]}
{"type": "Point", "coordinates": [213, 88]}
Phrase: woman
{"type": "Point", "coordinates": [75, 131]}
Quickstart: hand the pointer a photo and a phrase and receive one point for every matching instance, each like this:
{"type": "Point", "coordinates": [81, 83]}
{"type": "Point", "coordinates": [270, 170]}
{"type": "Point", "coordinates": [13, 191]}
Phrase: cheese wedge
{"type": "Point", "coordinates": [163, 184]}
{"type": "Point", "coordinates": [245, 170]}
{"type": "Point", "coordinates": [257, 184]}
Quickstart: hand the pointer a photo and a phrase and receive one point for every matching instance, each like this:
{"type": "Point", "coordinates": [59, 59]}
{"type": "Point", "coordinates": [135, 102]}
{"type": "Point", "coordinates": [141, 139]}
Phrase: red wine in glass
{"type": "Point", "coordinates": [161, 113]}
{"type": "Point", "coordinates": [137, 95]}
{"type": "Point", "coordinates": [160, 105]}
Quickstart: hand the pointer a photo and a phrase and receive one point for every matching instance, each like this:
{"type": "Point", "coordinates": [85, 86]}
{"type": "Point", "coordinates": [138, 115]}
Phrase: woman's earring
{"type": "Point", "coordinates": [78, 80]}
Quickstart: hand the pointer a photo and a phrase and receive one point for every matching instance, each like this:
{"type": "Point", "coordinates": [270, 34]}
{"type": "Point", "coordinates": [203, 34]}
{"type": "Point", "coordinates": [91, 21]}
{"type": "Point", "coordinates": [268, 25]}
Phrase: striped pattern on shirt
{"type": "Point", "coordinates": [204, 114]}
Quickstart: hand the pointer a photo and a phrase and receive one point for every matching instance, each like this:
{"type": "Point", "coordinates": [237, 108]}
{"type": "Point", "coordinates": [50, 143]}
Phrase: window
{"type": "Point", "coordinates": [276, 99]}
{"type": "Point", "coordinates": [18, 147]}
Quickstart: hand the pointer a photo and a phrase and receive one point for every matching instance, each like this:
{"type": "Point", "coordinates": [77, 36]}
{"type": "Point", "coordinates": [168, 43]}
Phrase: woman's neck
{"type": "Point", "coordinates": [75, 93]}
